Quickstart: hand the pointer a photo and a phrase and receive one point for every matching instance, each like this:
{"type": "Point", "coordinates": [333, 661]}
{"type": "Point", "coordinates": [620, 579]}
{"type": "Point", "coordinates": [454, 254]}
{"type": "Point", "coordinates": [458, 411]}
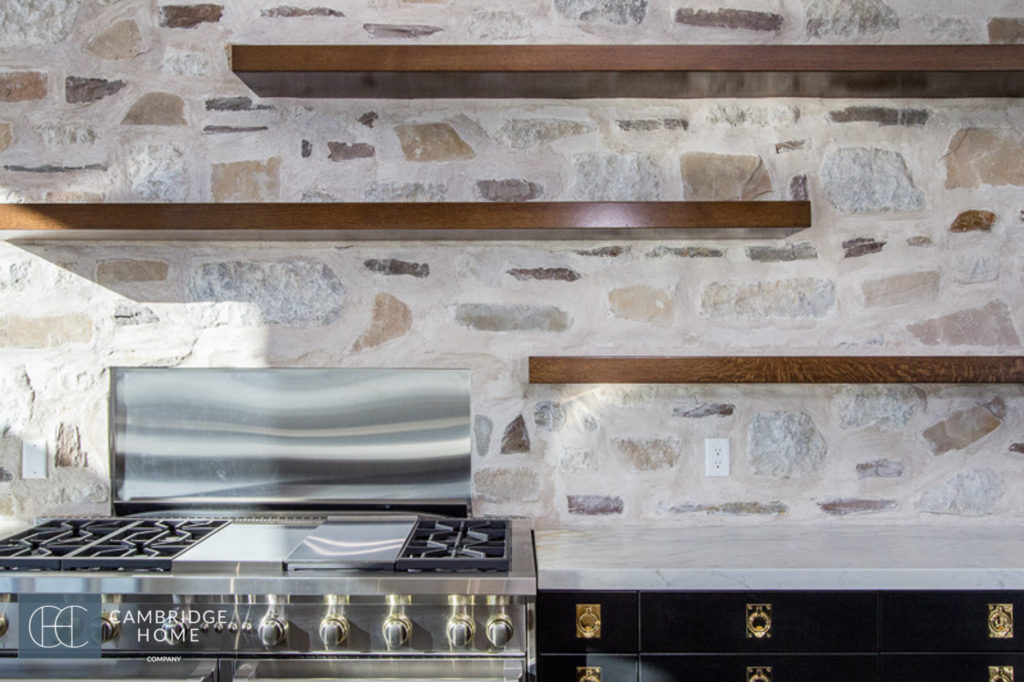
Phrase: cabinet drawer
{"type": "Point", "coordinates": [952, 667]}
{"type": "Point", "coordinates": [951, 621]}
{"type": "Point", "coordinates": [585, 622]}
{"type": "Point", "coordinates": [814, 622]}
{"type": "Point", "coordinates": [759, 668]}
{"type": "Point", "coordinates": [568, 668]}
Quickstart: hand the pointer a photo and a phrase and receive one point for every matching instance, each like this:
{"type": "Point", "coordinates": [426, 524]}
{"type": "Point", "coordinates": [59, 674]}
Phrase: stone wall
{"type": "Point", "coordinates": [916, 249]}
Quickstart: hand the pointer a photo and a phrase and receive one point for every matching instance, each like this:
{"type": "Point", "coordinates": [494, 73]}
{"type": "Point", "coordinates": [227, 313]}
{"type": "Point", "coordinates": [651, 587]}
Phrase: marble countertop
{"type": "Point", "coordinates": [765, 558]}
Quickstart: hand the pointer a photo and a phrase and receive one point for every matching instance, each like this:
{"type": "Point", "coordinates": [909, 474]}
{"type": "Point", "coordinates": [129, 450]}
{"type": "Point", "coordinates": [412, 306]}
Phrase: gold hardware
{"type": "Point", "coordinates": [1000, 673]}
{"type": "Point", "coordinates": [588, 621]}
{"type": "Point", "coordinates": [1000, 621]}
{"type": "Point", "coordinates": [585, 674]}
{"type": "Point", "coordinates": [759, 620]}
{"type": "Point", "coordinates": [762, 673]}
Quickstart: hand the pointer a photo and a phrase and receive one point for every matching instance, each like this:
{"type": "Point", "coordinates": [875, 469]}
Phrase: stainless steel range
{"type": "Point", "coordinates": [277, 524]}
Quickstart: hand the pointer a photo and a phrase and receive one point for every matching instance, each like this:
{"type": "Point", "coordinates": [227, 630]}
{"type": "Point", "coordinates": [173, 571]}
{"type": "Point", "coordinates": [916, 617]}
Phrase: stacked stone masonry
{"type": "Point", "coordinates": [917, 248]}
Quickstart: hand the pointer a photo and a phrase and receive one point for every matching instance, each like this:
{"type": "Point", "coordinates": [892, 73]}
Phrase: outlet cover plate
{"type": "Point", "coordinates": [716, 456]}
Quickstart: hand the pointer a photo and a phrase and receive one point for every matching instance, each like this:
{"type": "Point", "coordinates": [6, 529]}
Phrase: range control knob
{"type": "Point", "coordinates": [499, 630]}
{"type": "Point", "coordinates": [460, 631]}
{"type": "Point", "coordinates": [109, 628]}
{"type": "Point", "coordinates": [176, 631]}
{"type": "Point", "coordinates": [396, 630]}
{"type": "Point", "coordinates": [3, 625]}
{"type": "Point", "coordinates": [333, 631]}
{"type": "Point", "coordinates": [271, 631]}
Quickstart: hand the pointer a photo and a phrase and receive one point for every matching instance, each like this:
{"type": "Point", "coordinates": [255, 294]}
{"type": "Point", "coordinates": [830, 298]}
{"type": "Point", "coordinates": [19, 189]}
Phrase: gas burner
{"type": "Point", "coordinates": [456, 545]}
{"type": "Point", "coordinates": [108, 544]}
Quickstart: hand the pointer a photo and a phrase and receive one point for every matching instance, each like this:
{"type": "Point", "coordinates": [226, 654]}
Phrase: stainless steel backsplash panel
{"type": "Point", "coordinates": [288, 437]}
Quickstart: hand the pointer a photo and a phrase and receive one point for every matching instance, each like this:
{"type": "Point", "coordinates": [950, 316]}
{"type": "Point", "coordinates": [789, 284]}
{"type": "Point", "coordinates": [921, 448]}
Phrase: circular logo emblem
{"type": "Point", "coordinates": [52, 627]}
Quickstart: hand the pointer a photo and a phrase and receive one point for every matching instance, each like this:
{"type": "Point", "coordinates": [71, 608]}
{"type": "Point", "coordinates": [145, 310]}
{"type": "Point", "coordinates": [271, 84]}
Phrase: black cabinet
{"type": "Point", "coordinates": [756, 622]}
{"type": "Point", "coordinates": [780, 636]}
{"type": "Point", "coordinates": [587, 622]}
{"type": "Point", "coordinates": [951, 621]}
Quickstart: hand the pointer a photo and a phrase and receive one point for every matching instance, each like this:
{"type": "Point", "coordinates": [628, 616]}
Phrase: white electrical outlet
{"type": "Point", "coordinates": [33, 459]}
{"type": "Point", "coordinates": [716, 456]}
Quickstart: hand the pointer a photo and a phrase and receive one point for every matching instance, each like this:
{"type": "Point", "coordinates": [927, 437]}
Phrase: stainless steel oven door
{"type": "Point", "coordinates": [114, 669]}
{"type": "Point", "coordinates": [380, 669]}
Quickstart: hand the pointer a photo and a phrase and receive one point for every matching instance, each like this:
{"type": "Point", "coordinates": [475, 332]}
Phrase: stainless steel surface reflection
{"type": "Point", "coordinates": [256, 436]}
{"type": "Point", "coordinates": [351, 544]}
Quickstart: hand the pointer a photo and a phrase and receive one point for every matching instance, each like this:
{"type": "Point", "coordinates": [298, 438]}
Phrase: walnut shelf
{"type": "Point", "coordinates": [389, 221]}
{"type": "Point", "coordinates": [656, 71]}
{"type": "Point", "coordinates": [777, 370]}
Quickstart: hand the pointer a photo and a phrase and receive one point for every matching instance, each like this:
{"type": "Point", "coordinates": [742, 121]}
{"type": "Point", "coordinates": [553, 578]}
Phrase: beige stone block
{"type": "Point", "coordinates": [246, 180]}
{"type": "Point", "coordinates": [908, 287]}
{"type": "Point", "coordinates": [507, 485]}
{"type": "Point", "coordinates": [990, 325]}
{"type": "Point", "coordinates": [156, 109]}
{"type": "Point", "coordinates": [723, 177]}
{"type": "Point", "coordinates": [19, 86]}
{"type": "Point", "coordinates": [982, 155]}
{"type": "Point", "coordinates": [391, 319]}
{"type": "Point", "coordinates": [961, 429]}
{"type": "Point", "coordinates": [120, 40]}
{"type": "Point", "coordinates": [432, 142]}
{"type": "Point", "coordinates": [130, 270]}
{"type": "Point", "coordinates": [642, 303]}
{"type": "Point", "coordinates": [6, 136]}
{"type": "Point", "coordinates": [648, 454]}
{"type": "Point", "coordinates": [18, 331]}
{"type": "Point", "coordinates": [1006, 30]}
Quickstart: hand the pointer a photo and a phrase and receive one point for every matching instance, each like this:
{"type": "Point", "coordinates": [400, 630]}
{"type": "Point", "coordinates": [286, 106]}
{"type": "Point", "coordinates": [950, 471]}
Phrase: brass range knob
{"type": "Point", "coordinates": [333, 631]}
{"type": "Point", "coordinates": [588, 621]}
{"type": "Point", "coordinates": [588, 674]}
{"type": "Point", "coordinates": [1000, 621]}
{"type": "Point", "coordinates": [3, 625]}
{"type": "Point", "coordinates": [1000, 673]}
{"type": "Point", "coordinates": [499, 630]}
{"type": "Point", "coordinates": [759, 673]}
{"type": "Point", "coordinates": [460, 630]}
{"type": "Point", "coordinates": [396, 630]}
{"type": "Point", "coordinates": [759, 621]}
{"type": "Point", "coordinates": [109, 627]}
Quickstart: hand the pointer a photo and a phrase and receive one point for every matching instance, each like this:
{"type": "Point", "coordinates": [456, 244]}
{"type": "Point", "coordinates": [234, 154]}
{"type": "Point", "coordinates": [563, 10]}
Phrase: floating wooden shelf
{"type": "Point", "coordinates": [656, 71]}
{"type": "Point", "coordinates": [777, 370]}
{"type": "Point", "coordinates": [388, 221]}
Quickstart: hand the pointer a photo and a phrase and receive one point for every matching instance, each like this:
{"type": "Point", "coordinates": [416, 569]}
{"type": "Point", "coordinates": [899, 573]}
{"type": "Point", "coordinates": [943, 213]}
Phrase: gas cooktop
{"type": "Point", "coordinates": [105, 544]}
{"type": "Point", "coordinates": [146, 544]}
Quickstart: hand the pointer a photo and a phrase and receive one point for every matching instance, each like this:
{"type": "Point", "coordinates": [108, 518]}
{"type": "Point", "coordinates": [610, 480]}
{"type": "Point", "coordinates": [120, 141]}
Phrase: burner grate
{"type": "Point", "coordinates": [456, 545]}
{"type": "Point", "coordinates": [107, 544]}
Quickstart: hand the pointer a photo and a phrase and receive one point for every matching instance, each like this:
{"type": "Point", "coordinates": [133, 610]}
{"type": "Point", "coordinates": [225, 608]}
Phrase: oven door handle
{"type": "Point", "coordinates": [370, 670]}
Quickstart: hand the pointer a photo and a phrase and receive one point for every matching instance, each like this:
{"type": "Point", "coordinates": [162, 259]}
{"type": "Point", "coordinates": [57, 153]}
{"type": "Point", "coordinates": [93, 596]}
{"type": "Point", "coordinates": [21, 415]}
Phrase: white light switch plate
{"type": "Point", "coordinates": [33, 459]}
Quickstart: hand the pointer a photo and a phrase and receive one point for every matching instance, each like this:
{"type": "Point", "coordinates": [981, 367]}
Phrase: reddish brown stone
{"type": "Point", "coordinates": [515, 439]}
{"type": "Point", "coordinates": [78, 89]}
{"type": "Point", "coordinates": [343, 151]}
{"type": "Point", "coordinates": [974, 221]}
{"type": "Point", "coordinates": [189, 16]}
{"type": "Point", "coordinates": [842, 507]}
{"type": "Point", "coordinates": [594, 505]}
{"type": "Point", "coordinates": [18, 86]}
{"type": "Point", "coordinates": [730, 18]}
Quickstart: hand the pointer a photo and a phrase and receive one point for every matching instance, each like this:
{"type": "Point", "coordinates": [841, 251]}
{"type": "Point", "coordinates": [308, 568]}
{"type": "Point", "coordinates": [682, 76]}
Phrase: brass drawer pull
{"type": "Point", "coordinates": [759, 620]}
{"type": "Point", "coordinates": [1000, 673]}
{"type": "Point", "coordinates": [1000, 621]}
{"type": "Point", "coordinates": [588, 621]}
{"type": "Point", "coordinates": [761, 673]}
{"type": "Point", "coordinates": [585, 674]}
